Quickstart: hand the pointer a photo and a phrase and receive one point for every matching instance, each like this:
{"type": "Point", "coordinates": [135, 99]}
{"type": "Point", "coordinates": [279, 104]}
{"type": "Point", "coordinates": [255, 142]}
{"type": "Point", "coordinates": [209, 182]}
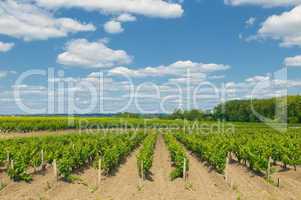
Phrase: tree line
{"type": "Point", "coordinates": [235, 110]}
{"type": "Point", "coordinates": [246, 110]}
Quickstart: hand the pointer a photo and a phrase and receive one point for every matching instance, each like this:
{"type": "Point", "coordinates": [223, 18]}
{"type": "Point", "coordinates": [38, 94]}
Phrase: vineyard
{"type": "Point", "coordinates": [253, 149]}
{"type": "Point", "coordinates": [29, 124]}
{"type": "Point", "coordinates": [176, 162]}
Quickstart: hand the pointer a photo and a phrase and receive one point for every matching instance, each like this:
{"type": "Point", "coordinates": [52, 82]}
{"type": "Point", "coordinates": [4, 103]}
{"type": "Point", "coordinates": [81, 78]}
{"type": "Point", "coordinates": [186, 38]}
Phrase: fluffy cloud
{"type": "Point", "coordinates": [126, 71]}
{"type": "Point", "coordinates": [113, 27]}
{"type": "Point", "coordinates": [83, 53]}
{"type": "Point", "coordinates": [256, 79]}
{"type": "Point", "coordinates": [293, 61]}
{"type": "Point", "coordinates": [4, 47]}
{"type": "Point", "coordinates": [264, 3]}
{"type": "Point", "coordinates": [250, 22]}
{"type": "Point", "coordinates": [151, 8]}
{"type": "Point", "coordinates": [179, 68]}
{"type": "Point", "coordinates": [115, 24]}
{"type": "Point", "coordinates": [285, 27]}
{"type": "Point", "coordinates": [262, 86]}
{"type": "Point", "coordinates": [125, 17]}
{"type": "Point", "coordinates": [29, 22]}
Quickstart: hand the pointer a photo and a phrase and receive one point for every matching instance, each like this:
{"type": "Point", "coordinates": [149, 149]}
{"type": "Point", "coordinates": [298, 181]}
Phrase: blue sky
{"type": "Point", "coordinates": [236, 43]}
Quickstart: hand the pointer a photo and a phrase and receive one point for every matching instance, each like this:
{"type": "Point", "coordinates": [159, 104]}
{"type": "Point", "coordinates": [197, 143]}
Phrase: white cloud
{"type": "Point", "coordinates": [294, 83]}
{"type": "Point", "coordinates": [4, 47]}
{"type": "Point", "coordinates": [125, 17]}
{"type": "Point", "coordinates": [179, 68]}
{"type": "Point", "coordinates": [250, 22]}
{"type": "Point", "coordinates": [115, 24]}
{"type": "Point", "coordinates": [264, 3]}
{"type": "Point", "coordinates": [194, 80]}
{"type": "Point", "coordinates": [29, 22]}
{"type": "Point", "coordinates": [150, 8]}
{"type": "Point", "coordinates": [115, 93]}
{"type": "Point", "coordinates": [73, 26]}
{"type": "Point", "coordinates": [83, 53]}
{"type": "Point", "coordinates": [285, 27]}
{"type": "Point", "coordinates": [126, 72]}
{"type": "Point", "coordinates": [261, 86]}
{"type": "Point", "coordinates": [293, 61]}
{"type": "Point", "coordinates": [113, 27]}
{"type": "Point", "coordinates": [256, 79]}
{"type": "Point", "coordinates": [5, 73]}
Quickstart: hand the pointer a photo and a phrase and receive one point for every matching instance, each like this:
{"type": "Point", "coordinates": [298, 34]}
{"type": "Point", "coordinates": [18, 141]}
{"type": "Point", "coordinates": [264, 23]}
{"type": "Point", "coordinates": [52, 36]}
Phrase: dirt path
{"type": "Point", "coordinates": [251, 186]}
{"type": "Point", "coordinates": [125, 185]}
{"type": "Point", "coordinates": [160, 186]}
{"type": "Point", "coordinates": [200, 184]}
{"type": "Point", "coordinates": [208, 181]}
{"type": "Point", "coordinates": [80, 189]}
{"type": "Point", "coordinates": [34, 190]}
{"type": "Point", "coordinates": [122, 185]}
{"type": "Point", "coordinates": [289, 181]}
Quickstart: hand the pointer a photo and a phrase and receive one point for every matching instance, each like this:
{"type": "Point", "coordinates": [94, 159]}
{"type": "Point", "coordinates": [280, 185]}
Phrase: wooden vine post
{"type": "Point", "coordinates": [12, 165]}
{"type": "Point", "coordinates": [42, 157]}
{"type": "Point", "coordinates": [55, 169]}
{"type": "Point", "coordinates": [141, 174]}
{"type": "Point", "coordinates": [184, 170]}
{"type": "Point", "coordinates": [42, 160]}
{"type": "Point", "coordinates": [99, 172]}
{"type": "Point", "coordinates": [7, 160]}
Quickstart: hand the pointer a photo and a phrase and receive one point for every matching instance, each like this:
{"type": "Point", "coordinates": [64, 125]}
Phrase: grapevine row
{"type": "Point", "coordinates": [207, 147]}
{"type": "Point", "coordinates": [177, 155]}
{"type": "Point", "coordinates": [70, 152]}
{"type": "Point", "coordinates": [146, 154]}
{"type": "Point", "coordinates": [252, 147]}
